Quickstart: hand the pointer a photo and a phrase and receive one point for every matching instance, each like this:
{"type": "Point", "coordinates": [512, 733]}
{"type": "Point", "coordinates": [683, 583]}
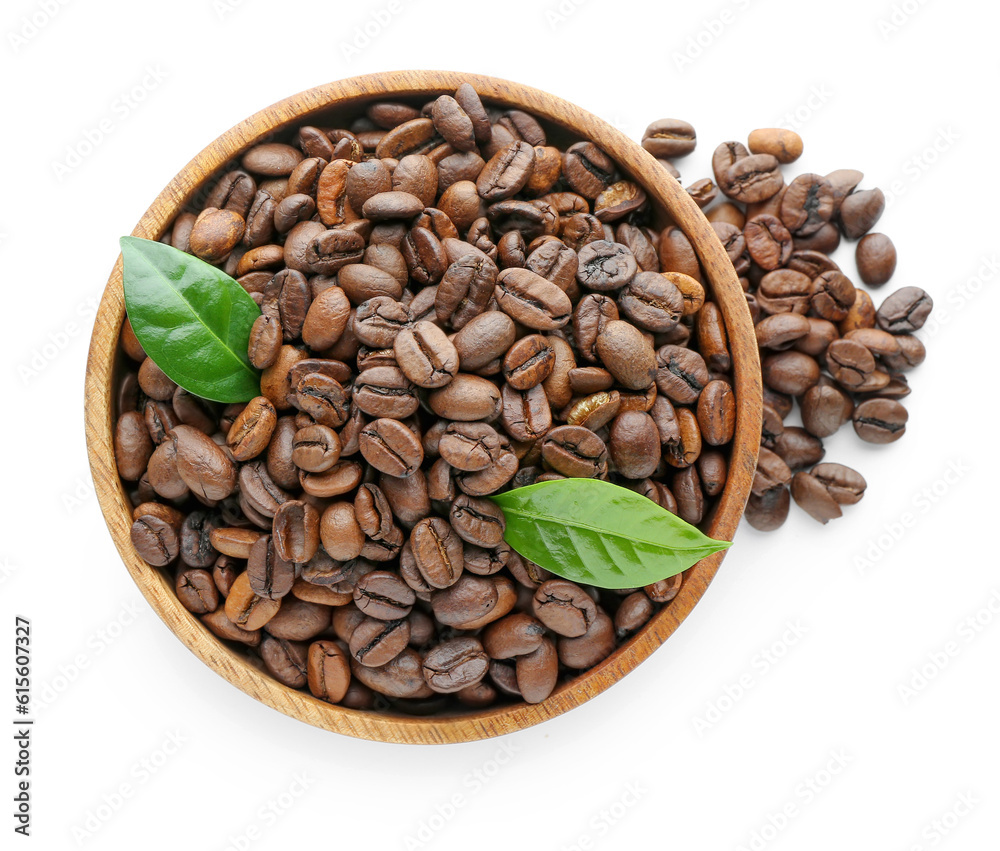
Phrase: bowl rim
{"type": "Point", "coordinates": [663, 190]}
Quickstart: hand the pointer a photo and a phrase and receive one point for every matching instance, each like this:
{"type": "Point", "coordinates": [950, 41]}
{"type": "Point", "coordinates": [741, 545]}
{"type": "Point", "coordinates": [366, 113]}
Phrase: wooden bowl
{"type": "Point", "coordinates": [348, 98]}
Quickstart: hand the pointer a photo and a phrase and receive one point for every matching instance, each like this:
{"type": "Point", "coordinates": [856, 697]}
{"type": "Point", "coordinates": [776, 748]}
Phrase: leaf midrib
{"type": "Point", "coordinates": [190, 308]}
{"type": "Point", "coordinates": [601, 531]}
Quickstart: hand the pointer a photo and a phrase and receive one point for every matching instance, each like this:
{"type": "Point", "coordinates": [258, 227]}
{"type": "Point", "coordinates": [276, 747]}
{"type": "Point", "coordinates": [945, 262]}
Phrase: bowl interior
{"type": "Point", "coordinates": [340, 102]}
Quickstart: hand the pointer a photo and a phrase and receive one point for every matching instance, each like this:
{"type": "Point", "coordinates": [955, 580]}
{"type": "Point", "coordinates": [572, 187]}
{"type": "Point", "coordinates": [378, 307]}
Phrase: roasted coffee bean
{"type": "Point", "coordinates": [470, 446]}
{"type": "Point", "coordinates": [717, 412]}
{"type": "Point", "coordinates": [196, 548]}
{"type": "Point", "coordinates": [606, 266]}
{"type": "Point", "coordinates": [781, 330]}
{"type": "Point", "coordinates": [270, 575]}
{"type": "Point", "coordinates": [328, 671]}
{"type": "Point", "coordinates": [687, 490]}
{"type": "Point", "coordinates": [860, 315]}
{"type": "Point", "coordinates": [280, 464]}
{"type": "Point", "coordinates": [592, 647]}
{"type": "Point", "coordinates": [251, 431]}
{"type": "Point", "coordinates": [772, 472]}
{"type": "Point", "coordinates": [465, 290]}
{"type": "Point", "coordinates": [771, 426]}
{"type": "Point", "coordinates": [215, 234]}
{"type": "Point", "coordinates": [383, 595]}
{"type": "Point", "coordinates": [859, 212]}
{"type": "Point", "coordinates": [466, 398]}
{"type": "Point", "coordinates": [401, 678]}
{"type": "Point", "coordinates": [876, 259]}
{"type": "Point", "coordinates": [678, 255]}
{"type": "Point", "coordinates": [311, 248]}
{"type": "Point", "coordinates": [526, 414]}
{"type": "Point", "coordinates": [652, 301]}
{"type": "Point", "coordinates": [669, 137]}
{"type": "Point", "coordinates": [825, 409]}
{"type": "Point", "coordinates": [587, 169]}
{"type": "Point", "coordinates": [538, 672]}
{"type": "Point", "coordinates": [426, 355]}
{"type": "Point", "coordinates": [375, 642]}
{"type": "Point", "coordinates": [633, 613]}
{"type": "Point", "coordinates": [810, 495]}
{"type": "Point", "coordinates": [681, 373]}
{"type": "Point", "coordinates": [768, 241]}
{"type": "Point", "coordinates": [904, 311]}
{"type": "Point", "coordinates": [154, 382]}
{"type": "Point", "coordinates": [911, 354]}
{"type": "Point", "coordinates": [590, 379]}
{"type": "Point", "coordinates": [713, 340]}
{"type": "Point", "coordinates": [798, 448]}
{"type": "Point", "coordinates": [713, 470]}
{"type": "Point", "coordinates": [315, 448]}
{"type": "Point", "coordinates": [845, 485]}
{"type": "Point", "coordinates": [326, 319]}
{"type": "Point", "coordinates": [324, 399]}
{"type": "Point", "coordinates": [286, 661]}
{"type": "Point", "coordinates": [133, 446]}
{"type": "Point", "coordinates": [196, 590]}
{"type": "Point", "coordinates": [201, 464]}
{"type": "Point", "coordinates": [385, 391]}
{"type": "Point", "coordinates": [224, 628]}
{"type": "Point", "coordinates": [684, 450]}
{"type": "Point", "coordinates": [235, 543]}
{"type": "Point", "coordinates": [272, 159]}
{"type": "Point", "coordinates": [246, 609]}
{"type": "Point", "coordinates": [790, 372]}
{"type": "Point", "coordinates": [784, 291]}
{"type": "Point", "coordinates": [156, 540]}
{"type": "Point", "coordinates": [361, 282]}
{"type": "Point", "coordinates": [477, 521]}
{"type": "Point", "coordinates": [295, 531]}
{"type": "Point", "coordinates": [634, 445]}
{"type": "Point", "coordinates": [507, 172]}
{"type": "Point", "coordinates": [769, 510]}
{"type": "Point", "coordinates": [784, 145]}
{"type": "Point", "coordinates": [389, 446]}
{"type": "Point", "coordinates": [379, 320]}
{"type": "Point", "coordinates": [455, 664]}
{"type": "Point", "coordinates": [807, 204]}
{"type": "Point", "coordinates": [515, 635]}
{"type": "Point", "coordinates": [595, 411]}
{"type": "Point", "coordinates": [474, 601]}
{"type": "Point", "coordinates": [528, 362]}
{"type": "Point", "coordinates": [880, 420]}
{"type": "Point", "coordinates": [299, 620]}
{"type": "Point", "coordinates": [576, 452]}
{"type": "Point", "coordinates": [491, 479]}
{"type": "Point", "coordinates": [849, 362]}
{"type": "Point", "coordinates": [437, 552]}
{"type": "Point", "coordinates": [275, 381]}
{"type": "Point", "coordinates": [590, 318]}
{"type": "Point", "coordinates": [627, 355]}
{"type": "Point", "coordinates": [750, 178]}
{"type": "Point", "coordinates": [532, 300]}
{"type": "Point", "coordinates": [832, 296]}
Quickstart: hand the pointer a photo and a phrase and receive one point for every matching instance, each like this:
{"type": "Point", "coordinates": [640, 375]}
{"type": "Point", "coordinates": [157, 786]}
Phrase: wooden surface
{"type": "Point", "coordinates": [663, 191]}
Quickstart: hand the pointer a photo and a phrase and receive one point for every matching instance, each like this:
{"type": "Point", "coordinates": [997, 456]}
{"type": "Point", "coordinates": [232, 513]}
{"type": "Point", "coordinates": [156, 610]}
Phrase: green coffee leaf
{"type": "Point", "coordinates": [192, 319]}
{"type": "Point", "coordinates": [600, 534]}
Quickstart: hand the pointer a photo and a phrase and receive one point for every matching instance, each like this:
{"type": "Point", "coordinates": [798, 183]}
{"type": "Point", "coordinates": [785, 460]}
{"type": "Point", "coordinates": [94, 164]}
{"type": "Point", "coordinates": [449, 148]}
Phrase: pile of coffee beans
{"type": "Point", "coordinates": [822, 342]}
{"type": "Point", "coordinates": [452, 306]}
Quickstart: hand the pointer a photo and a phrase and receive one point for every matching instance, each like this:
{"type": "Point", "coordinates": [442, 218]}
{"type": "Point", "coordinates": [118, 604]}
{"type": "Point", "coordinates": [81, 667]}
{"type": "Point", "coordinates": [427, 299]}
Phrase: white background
{"type": "Point", "coordinates": [869, 85]}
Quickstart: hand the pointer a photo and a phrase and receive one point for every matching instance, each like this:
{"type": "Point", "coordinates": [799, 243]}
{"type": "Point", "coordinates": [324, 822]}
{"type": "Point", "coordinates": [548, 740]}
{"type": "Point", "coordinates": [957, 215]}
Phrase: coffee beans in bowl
{"type": "Point", "coordinates": [455, 301]}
